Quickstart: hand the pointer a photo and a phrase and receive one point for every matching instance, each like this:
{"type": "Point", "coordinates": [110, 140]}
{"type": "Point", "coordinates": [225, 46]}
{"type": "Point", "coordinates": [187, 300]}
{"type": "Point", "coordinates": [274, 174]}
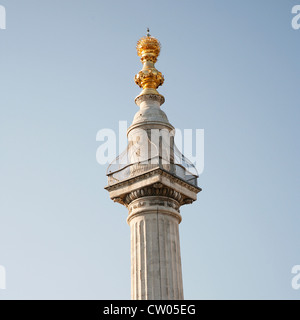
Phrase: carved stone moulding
{"type": "Point", "coordinates": [153, 190]}
{"type": "Point", "coordinates": [150, 205]}
{"type": "Point", "coordinates": [154, 97]}
{"type": "Point", "coordinates": [154, 183]}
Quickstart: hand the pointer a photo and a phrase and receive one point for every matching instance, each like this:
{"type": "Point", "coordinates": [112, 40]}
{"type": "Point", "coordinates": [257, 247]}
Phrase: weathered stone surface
{"type": "Point", "coordinates": [155, 252]}
{"type": "Point", "coordinates": [153, 189]}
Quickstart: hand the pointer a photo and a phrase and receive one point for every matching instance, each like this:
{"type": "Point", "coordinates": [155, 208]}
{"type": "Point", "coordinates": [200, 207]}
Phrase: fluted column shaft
{"type": "Point", "coordinates": [155, 249]}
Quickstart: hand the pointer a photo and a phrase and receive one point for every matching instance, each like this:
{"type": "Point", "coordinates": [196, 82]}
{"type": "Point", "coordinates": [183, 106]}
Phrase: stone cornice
{"type": "Point", "coordinates": [149, 174]}
{"type": "Point", "coordinates": [156, 182]}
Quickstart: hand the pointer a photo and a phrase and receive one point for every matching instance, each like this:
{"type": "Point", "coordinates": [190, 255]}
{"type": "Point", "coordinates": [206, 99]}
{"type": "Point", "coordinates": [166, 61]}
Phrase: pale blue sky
{"type": "Point", "coordinates": [231, 68]}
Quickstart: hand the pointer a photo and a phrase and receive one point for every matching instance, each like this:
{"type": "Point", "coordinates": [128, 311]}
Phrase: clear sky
{"type": "Point", "coordinates": [231, 68]}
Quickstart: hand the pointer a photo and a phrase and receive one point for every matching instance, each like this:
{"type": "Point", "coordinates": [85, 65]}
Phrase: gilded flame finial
{"type": "Point", "coordinates": [149, 78]}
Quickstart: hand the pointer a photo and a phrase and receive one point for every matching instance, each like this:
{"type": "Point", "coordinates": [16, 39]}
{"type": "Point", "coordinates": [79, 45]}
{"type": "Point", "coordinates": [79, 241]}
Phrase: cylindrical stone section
{"type": "Point", "coordinates": [156, 272]}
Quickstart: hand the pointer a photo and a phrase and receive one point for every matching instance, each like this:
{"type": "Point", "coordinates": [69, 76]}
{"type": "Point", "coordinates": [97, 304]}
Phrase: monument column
{"type": "Point", "coordinates": [153, 180]}
{"type": "Point", "coordinates": [155, 248]}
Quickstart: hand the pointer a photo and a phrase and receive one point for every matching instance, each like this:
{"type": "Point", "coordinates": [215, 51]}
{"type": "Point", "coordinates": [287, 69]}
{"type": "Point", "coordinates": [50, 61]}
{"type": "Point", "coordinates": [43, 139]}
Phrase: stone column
{"type": "Point", "coordinates": [153, 185]}
{"type": "Point", "coordinates": [155, 248]}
